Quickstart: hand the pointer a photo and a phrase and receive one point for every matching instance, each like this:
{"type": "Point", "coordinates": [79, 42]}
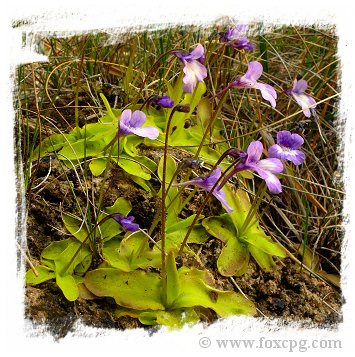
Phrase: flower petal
{"type": "Point", "coordinates": [189, 87]}
{"type": "Point", "coordinates": [137, 120]}
{"type": "Point", "coordinates": [295, 156]}
{"type": "Point", "coordinates": [197, 53]}
{"type": "Point", "coordinates": [255, 149]}
{"type": "Point", "coordinates": [125, 120]}
{"type": "Point", "coordinates": [242, 82]}
{"type": "Point", "coordinates": [207, 184]}
{"type": "Point", "coordinates": [199, 70]}
{"type": "Point", "coordinates": [194, 71]}
{"type": "Point", "coordinates": [131, 124]}
{"type": "Point", "coordinates": [267, 92]}
{"type": "Point", "coordinates": [242, 43]}
{"type": "Point", "coordinates": [283, 138]}
{"type": "Point", "coordinates": [305, 101]}
{"type": "Point", "coordinates": [272, 182]}
{"type": "Point", "coordinates": [128, 225]}
{"type": "Point", "coordinates": [300, 86]}
{"type": "Point", "coordinates": [126, 222]}
{"type": "Point", "coordinates": [204, 182]}
{"type": "Point", "coordinates": [236, 32]}
{"type": "Point", "coordinates": [241, 29]}
{"type": "Point", "coordinates": [275, 151]}
{"type": "Point", "coordinates": [236, 37]}
{"type": "Point", "coordinates": [271, 164]}
{"type": "Point", "coordinates": [221, 197]}
{"type": "Point", "coordinates": [291, 141]}
{"type": "Point", "coordinates": [255, 70]}
{"type": "Point", "coordinates": [282, 153]}
{"type": "Point", "coordinates": [126, 117]}
{"type": "Point", "coordinates": [149, 132]}
{"type": "Point", "coordinates": [212, 178]}
{"type": "Point", "coordinates": [165, 102]}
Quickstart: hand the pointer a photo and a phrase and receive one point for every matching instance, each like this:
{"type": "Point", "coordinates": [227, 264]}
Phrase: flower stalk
{"type": "Point", "coordinates": [163, 203]}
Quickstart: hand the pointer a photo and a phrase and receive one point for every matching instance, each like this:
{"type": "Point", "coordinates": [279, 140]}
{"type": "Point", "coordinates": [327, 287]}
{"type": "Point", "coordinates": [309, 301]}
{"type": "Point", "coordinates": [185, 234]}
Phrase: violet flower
{"type": "Point", "coordinates": [207, 183]}
{"type": "Point", "coordinates": [235, 37]}
{"type": "Point", "coordinates": [265, 168]}
{"type": "Point", "coordinates": [287, 147]}
{"type": "Point", "coordinates": [131, 123]}
{"type": "Point", "coordinates": [249, 80]}
{"type": "Point", "coordinates": [193, 67]}
{"type": "Point", "coordinates": [126, 222]}
{"type": "Point", "coordinates": [163, 101]}
{"type": "Point", "coordinates": [305, 101]}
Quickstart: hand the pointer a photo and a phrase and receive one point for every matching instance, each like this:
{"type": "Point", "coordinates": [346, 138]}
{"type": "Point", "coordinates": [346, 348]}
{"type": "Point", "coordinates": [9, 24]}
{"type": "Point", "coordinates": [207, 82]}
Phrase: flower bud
{"type": "Point", "coordinates": [192, 163]}
{"type": "Point", "coordinates": [184, 108]}
{"type": "Point", "coordinates": [163, 101]}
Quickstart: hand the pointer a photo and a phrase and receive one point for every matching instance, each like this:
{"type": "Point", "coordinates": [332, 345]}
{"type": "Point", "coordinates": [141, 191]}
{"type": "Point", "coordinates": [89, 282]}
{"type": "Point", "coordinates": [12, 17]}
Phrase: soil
{"type": "Point", "coordinates": [285, 293]}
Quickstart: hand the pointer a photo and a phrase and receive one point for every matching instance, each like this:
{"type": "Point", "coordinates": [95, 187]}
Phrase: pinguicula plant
{"type": "Point", "coordinates": [146, 270]}
{"type": "Point", "coordinates": [241, 231]}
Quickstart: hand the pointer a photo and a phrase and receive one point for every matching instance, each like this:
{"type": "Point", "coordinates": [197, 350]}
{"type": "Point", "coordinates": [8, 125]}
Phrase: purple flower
{"type": "Point", "coordinates": [249, 80]}
{"type": "Point", "coordinates": [126, 222]}
{"type": "Point", "coordinates": [163, 101]}
{"type": "Point", "coordinates": [265, 168]}
{"type": "Point", "coordinates": [286, 147]}
{"type": "Point", "coordinates": [131, 123]}
{"type": "Point", "coordinates": [235, 37]}
{"type": "Point", "coordinates": [193, 67]}
{"type": "Point", "coordinates": [305, 101]}
{"type": "Point", "coordinates": [207, 183]}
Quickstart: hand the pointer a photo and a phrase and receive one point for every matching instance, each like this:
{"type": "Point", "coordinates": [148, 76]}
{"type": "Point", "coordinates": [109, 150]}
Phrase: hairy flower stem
{"type": "Point", "coordinates": [198, 213]}
{"type": "Point", "coordinates": [163, 208]}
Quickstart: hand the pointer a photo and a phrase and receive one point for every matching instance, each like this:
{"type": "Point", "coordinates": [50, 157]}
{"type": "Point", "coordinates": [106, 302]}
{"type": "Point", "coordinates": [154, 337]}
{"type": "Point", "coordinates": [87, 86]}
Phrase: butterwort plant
{"type": "Point", "coordinates": [173, 289]}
